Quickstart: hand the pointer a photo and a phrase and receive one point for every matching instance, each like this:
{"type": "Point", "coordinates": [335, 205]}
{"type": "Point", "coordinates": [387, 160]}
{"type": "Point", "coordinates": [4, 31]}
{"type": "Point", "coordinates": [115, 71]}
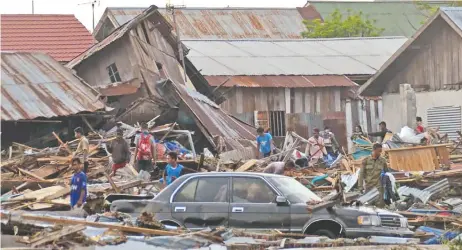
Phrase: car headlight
{"type": "Point", "coordinates": [404, 222]}
{"type": "Point", "coordinates": [370, 220]}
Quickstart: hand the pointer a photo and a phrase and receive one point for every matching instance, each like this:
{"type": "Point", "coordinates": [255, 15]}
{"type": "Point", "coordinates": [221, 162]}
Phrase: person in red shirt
{"type": "Point", "coordinates": [420, 128]}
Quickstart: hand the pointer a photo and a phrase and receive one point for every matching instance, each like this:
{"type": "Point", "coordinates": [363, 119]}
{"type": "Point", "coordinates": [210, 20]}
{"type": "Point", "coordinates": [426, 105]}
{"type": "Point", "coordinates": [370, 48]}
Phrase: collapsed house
{"type": "Point", "coordinates": [137, 69]}
{"type": "Point", "coordinates": [39, 95]}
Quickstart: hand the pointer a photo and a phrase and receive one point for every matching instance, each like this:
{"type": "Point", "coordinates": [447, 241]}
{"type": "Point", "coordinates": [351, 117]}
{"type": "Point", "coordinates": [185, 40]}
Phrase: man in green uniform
{"type": "Point", "coordinates": [370, 174]}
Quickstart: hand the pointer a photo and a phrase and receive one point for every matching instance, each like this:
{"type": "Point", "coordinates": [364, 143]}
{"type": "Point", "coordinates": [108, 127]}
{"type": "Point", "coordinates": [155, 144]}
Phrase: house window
{"type": "Point", "coordinates": [275, 120]}
{"type": "Point", "coordinates": [113, 73]}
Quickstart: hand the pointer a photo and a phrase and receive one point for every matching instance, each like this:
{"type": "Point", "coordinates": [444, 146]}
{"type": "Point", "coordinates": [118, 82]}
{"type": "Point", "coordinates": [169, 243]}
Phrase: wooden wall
{"type": "Point", "coordinates": [301, 100]}
{"type": "Point", "coordinates": [432, 62]}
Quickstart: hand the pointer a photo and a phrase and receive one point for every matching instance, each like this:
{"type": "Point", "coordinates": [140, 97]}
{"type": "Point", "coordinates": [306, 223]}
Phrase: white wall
{"type": "Point", "coordinates": [425, 100]}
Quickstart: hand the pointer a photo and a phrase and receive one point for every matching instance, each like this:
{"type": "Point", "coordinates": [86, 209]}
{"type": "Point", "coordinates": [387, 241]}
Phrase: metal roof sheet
{"type": "Point", "coordinates": [337, 56]}
{"type": "Point", "coordinates": [455, 14]}
{"type": "Point", "coordinates": [302, 81]}
{"type": "Point", "coordinates": [35, 85]}
{"type": "Point", "coordinates": [227, 23]}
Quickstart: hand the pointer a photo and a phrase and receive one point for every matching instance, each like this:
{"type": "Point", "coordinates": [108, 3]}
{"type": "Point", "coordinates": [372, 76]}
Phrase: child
{"type": "Point", "coordinates": [173, 169]}
{"type": "Point", "coordinates": [264, 141]}
{"type": "Point", "coordinates": [78, 185]}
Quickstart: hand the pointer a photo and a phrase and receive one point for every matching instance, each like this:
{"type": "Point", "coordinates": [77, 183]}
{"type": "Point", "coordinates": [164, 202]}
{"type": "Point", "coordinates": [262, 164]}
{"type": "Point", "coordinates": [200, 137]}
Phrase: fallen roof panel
{"type": "Point", "coordinates": [35, 85]}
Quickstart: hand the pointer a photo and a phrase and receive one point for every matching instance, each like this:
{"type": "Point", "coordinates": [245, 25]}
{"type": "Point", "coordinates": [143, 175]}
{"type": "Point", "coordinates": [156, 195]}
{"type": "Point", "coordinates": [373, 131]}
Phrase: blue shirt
{"type": "Point", "coordinates": [78, 183]}
{"type": "Point", "coordinates": [170, 172]}
{"type": "Point", "coordinates": [265, 143]}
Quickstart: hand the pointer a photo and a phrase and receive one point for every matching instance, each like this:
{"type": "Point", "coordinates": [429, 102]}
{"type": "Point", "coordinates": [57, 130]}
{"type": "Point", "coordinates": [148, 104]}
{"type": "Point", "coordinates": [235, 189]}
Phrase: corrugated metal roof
{"type": "Point", "coordinates": [281, 81]}
{"type": "Point", "coordinates": [226, 23]}
{"type": "Point", "coordinates": [35, 85]}
{"type": "Point", "coordinates": [455, 14]}
{"type": "Point", "coordinates": [337, 56]}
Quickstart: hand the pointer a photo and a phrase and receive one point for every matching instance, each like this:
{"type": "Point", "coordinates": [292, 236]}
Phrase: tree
{"type": "Point", "coordinates": [428, 9]}
{"type": "Point", "coordinates": [356, 24]}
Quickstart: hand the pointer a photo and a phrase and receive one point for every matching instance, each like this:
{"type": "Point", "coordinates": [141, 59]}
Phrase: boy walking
{"type": "Point", "coordinates": [78, 185]}
{"type": "Point", "coordinates": [264, 142]}
{"type": "Point", "coordinates": [173, 169]}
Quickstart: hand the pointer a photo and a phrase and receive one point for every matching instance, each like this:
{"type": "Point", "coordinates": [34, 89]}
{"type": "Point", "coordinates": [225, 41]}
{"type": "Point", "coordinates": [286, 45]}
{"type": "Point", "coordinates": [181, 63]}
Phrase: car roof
{"type": "Point", "coordinates": [225, 174]}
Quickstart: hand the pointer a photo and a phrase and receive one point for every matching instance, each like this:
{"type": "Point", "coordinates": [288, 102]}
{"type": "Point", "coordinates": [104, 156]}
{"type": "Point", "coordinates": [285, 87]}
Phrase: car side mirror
{"type": "Point", "coordinates": [281, 200]}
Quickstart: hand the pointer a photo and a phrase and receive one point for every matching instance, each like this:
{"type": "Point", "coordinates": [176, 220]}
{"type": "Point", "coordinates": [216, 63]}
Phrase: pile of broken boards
{"type": "Point", "coordinates": [38, 179]}
{"type": "Point", "coordinates": [119, 229]}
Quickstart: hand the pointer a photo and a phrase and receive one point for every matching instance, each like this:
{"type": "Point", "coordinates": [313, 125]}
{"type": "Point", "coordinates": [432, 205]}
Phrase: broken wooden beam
{"type": "Point", "coordinates": [30, 174]}
{"type": "Point", "coordinates": [130, 229]}
{"type": "Point", "coordinates": [113, 185]}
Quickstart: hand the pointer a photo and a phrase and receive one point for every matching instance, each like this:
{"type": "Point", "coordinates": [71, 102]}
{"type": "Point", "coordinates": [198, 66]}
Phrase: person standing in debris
{"type": "Point", "coordinates": [278, 167]}
{"type": "Point", "coordinates": [145, 151]}
{"type": "Point", "coordinates": [383, 131]}
{"type": "Point", "coordinates": [173, 169]}
{"type": "Point", "coordinates": [330, 142]}
{"type": "Point", "coordinates": [78, 185]}
{"type": "Point", "coordinates": [315, 148]}
{"type": "Point", "coordinates": [120, 151]}
{"type": "Point", "coordinates": [82, 148]}
{"type": "Point", "coordinates": [371, 172]}
{"type": "Point", "coordinates": [264, 142]}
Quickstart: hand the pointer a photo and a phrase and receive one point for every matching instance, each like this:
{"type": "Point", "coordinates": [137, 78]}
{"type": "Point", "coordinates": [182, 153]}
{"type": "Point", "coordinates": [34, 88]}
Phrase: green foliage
{"type": "Point", "coordinates": [429, 10]}
{"type": "Point", "coordinates": [356, 24]}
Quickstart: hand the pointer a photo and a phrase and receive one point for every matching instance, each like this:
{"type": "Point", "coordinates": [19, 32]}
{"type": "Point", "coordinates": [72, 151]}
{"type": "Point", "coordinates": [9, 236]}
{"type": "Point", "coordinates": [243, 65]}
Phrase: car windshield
{"type": "Point", "coordinates": [293, 190]}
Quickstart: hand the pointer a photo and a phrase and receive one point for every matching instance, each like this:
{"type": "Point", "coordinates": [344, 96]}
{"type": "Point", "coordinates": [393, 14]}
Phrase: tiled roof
{"type": "Point", "coordinates": [61, 36]}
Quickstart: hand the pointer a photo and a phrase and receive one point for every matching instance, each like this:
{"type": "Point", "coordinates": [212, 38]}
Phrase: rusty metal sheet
{"type": "Point", "coordinates": [35, 85]}
{"type": "Point", "coordinates": [336, 121]}
{"type": "Point", "coordinates": [227, 23]}
{"type": "Point", "coordinates": [272, 81]}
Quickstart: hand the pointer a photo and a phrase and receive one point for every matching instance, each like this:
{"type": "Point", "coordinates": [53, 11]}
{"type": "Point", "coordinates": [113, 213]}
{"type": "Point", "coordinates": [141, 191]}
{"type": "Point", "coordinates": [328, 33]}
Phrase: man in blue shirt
{"type": "Point", "coordinates": [78, 185]}
{"type": "Point", "coordinates": [264, 142]}
{"type": "Point", "coordinates": [173, 169]}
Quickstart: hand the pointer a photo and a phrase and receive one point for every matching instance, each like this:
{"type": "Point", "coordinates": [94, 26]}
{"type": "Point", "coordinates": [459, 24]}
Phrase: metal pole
{"type": "Point", "coordinates": [93, 13]}
{"type": "Point", "coordinates": [32, 6]}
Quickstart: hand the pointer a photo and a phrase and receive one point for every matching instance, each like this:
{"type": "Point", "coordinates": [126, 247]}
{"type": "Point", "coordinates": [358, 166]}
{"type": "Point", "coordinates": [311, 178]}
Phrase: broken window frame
{"type": "Point", "coordinates": [113, 72]}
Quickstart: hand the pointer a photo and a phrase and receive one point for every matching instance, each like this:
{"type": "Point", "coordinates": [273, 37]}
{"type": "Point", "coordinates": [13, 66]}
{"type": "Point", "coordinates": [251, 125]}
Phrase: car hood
{"type": "Point", "coordinates": [370, 210]}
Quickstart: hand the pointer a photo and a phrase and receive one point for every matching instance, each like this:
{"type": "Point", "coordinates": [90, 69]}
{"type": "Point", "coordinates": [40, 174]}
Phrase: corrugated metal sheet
{"type": "Point", "coordinates": [448, 119]}
{"type": "Point", "coordinates": [227, 23]}
{"type": "Point", "coordinates": [455, 14]}
{"type": "Point", "coordinates": [302, 81]}
{"type": "Point", "coordinates": [336, 56]}
{"type": "Point", "coordinates": [303, 123]}
{"type": "Point", "coordinates": [35, 85]}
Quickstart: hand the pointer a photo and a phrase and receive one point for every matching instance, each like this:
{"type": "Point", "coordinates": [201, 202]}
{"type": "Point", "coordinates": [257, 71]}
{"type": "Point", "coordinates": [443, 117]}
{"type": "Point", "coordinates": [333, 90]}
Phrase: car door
{"type": "Point", "coordinates": [202, 202]}
{"type": "Point", "coordinates": [253, 205]}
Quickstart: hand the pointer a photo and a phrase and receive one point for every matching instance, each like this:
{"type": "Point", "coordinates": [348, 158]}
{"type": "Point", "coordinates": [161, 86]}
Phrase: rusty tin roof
{"type": "Point", "coordinates": [35, 85]}
{"type": "Point", "coordinates": [225, 23]}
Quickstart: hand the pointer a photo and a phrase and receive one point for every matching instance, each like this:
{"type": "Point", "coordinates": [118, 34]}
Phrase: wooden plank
{"type": "Point", "coordinates": [414, 159]}
{"type": "Point", "coordinates": [62, 143]}
{"type": "Point", "coordinates": [49, 237]}
{"type": "Point", "coordinates": [419, 147]}
{"type": "Point", "coordinates": [63, 221]}
{"type": "Point", "coordinates": [113, 185]}
{"type": "Point", "coordinates": [31, 174]}
{"type": "Point", "coordinates": [247, 165]}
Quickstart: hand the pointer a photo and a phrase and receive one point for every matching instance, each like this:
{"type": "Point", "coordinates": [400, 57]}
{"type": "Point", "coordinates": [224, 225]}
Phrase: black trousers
{"type": "Point", "coordinates": [85, 167]}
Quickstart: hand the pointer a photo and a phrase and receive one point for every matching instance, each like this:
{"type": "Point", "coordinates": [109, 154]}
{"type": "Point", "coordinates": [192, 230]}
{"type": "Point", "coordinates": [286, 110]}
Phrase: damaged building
{"type": "Point", "coordinates": [137, 68]}
{"type": "Point", "coordinates": [39, 96]}
{"type": "Point", "coordinates": [431, 64]}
